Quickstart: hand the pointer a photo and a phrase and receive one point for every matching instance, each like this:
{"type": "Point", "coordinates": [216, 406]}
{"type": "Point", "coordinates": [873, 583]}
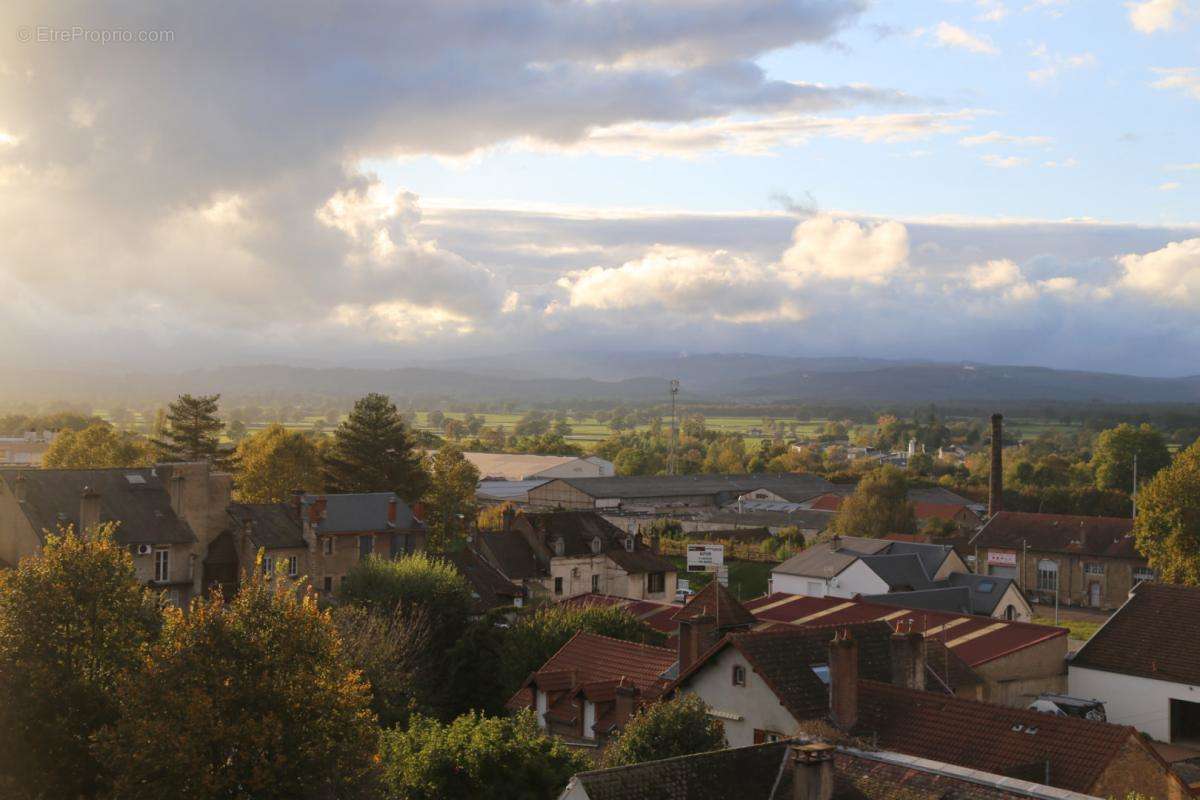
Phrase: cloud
{"type": "Point", "coordinates": [1066, 163]}
{"type": "Point", "coordinates": [826, 248]}
{"type": "Point", "coordinates": [1170, 274]}
{"type": "Point", "coordinates": [996, 137]}
{"type": "Point", "coordinates": [991, 10]}
{"type": "Point", "coordinates": [948, 35]}
{"type": "Point", "coordinates": [1169, 186]}
{"type": "Point", "coordinates": [1004, 162]}
{"type": "Point", "coordinates": [1153, 16]}
{"type": "Point", "coordinates": [1054, 64]}
{"type": "Point", "coordinates": [1185, 79]}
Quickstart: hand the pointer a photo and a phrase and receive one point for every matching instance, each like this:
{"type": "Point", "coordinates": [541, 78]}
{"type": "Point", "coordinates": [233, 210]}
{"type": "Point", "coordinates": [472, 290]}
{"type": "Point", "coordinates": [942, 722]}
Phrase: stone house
{"type": "Point", "coordinates": [1086, 561]}
{"type": "Point", "coordinates": [167, 516]}
{"type": "Point", "coordinates": [557, 555]}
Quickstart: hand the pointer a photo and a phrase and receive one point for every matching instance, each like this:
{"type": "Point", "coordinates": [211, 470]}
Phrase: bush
{"type": "Point", "coordinates": [678, 727]}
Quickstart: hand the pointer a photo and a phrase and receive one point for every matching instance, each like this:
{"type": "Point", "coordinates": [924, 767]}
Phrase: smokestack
{"type": "Point", "coordinates": [89, 511]}
{"type": "Point", "coordinates": [843, 680]}
{"type": "Point", "coordinates": [812, 771]}
{"type": "Point", "coordinates": [996, 483]}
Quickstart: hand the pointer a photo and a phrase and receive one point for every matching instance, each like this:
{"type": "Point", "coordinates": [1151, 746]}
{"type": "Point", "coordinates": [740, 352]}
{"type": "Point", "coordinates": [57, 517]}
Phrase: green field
{"type": "Point", "coordinates": [747, 579]}
{"type": "Point", "coordinates": [1079, 629]}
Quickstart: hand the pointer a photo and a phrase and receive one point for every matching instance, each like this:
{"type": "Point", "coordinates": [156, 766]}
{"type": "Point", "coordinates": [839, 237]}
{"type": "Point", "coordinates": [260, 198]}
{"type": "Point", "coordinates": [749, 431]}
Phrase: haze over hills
{"type": "Point", "coordinates": [626, 377]}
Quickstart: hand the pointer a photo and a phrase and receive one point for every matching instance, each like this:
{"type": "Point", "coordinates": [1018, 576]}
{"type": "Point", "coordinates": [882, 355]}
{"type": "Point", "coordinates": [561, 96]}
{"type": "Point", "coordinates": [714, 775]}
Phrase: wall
{"type": "Point", "coordinates": [952, 564]}
{"type": "Point", "coordinates": [1115, 583]}
{"type": "Point", "coordinates": [557, 494]}
{"type": "Point", "coordinates": [755, 702]}
{"type": "Point", "coordinates": [796, 584]}
{"type": "Point", "coordinates": [1143, 703]}
{"type": "Point", "coordinates": [1136, 769]}
{"type": "Point", "coordinates": [18, 539]}
{"type": "Point", "coordinates": [1018, 678]}
{"type": "Point", "coordinates": [1012, 596]}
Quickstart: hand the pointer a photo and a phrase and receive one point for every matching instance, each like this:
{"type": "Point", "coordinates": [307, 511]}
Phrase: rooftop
{"type": "Point", "coordinates": [364, 511]}
{"type": "Point", "coordinates": [1060, 533]}
{"type": "Point", "coordinates": [1152, 636]}
{"type": "Point", "coordinates": [269, 525]}
{"type": "Point", "coordinates": [515, 466]}
{"type": "Point", "coordinates": [591, 658]}
{"type": "Point", "coordinates": [683, 485]}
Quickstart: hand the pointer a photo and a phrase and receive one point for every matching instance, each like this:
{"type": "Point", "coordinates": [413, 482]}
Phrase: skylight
{"type": "Point", "coordinates": [822, 672]}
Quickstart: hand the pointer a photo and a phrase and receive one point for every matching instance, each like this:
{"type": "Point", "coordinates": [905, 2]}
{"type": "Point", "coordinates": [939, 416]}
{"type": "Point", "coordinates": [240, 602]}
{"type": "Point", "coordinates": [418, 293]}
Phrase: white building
{"type": "Point", "coordinates": [1144, 664]}
{"type": "Point", "coordinates": [849, 566]}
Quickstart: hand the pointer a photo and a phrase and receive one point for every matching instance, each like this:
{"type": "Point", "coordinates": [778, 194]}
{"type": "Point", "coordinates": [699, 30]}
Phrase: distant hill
{"type": "Point", "coordinates": [623, 377]}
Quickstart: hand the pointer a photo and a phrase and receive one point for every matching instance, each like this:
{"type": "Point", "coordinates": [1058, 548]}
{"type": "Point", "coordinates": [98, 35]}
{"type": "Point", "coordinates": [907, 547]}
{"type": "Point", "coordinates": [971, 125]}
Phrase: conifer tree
{"type": "Point", "coordinates": [373, 451]}
{"type": "Point", "coordinates": [193, 431]}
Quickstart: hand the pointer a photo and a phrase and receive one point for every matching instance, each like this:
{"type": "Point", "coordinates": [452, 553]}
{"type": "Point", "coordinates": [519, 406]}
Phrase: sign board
{"type": "Point", "coordinates": [723, 575]}
{"type": "Point", "coordinates": [1002, 558]}
{"type": "Point", "coordinates": [704, 557]}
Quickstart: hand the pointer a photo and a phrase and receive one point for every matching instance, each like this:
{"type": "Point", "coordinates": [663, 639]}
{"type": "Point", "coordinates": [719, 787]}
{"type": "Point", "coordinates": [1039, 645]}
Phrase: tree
{"type": "Point", "coordinates": [878, 507]}
{"type": "Point", "coordinates": [534, 423]}
{"type": "Point", "coordinates": [678, 727]}
{"type": "Point", "coordinates": [392, 653]}
{"type": "Point", "coordinates": [1115, 449]}
{"type": "Point", "coordinates": [538, 633]}
{"type": "Point", "coordinates": [97, 446]}
{"type": "Point", "coordinates": [274, 462]}
{"type": "Point", "coordinates": [254, 699]}
{"type": "Point", "coordinates": [435, 419]}
{"type": "Point", "coordinates": [1167, 527]}
{"type": "Point", "coordinates": [72, 621]}
{"type": "Point", "coordinates": [192, 432]}
{"type": "Point", "coordinates": [373, 451]}
{"type": "Point", "coordinates": [502, 758]}
{"type": "Point", "coordinates": [450, 507]}
{"type": "Point", "coordinates": [470, 667]}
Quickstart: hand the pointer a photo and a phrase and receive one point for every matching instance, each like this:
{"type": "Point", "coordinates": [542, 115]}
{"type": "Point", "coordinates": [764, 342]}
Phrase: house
{"type": "Point", "coordinates": [1017, 661]}
{"type": "Point", "coordinates": [966, 593]}
{"type": "Point", "coordinates": [562, 554]}
{"type": "Point", "coordinates": [1085, 561]}
{"type": "Point", "coordinates": [167, 515]}
{"type": "Point", "coordinates": [1144, 664]}
{"type": "Point", "coordinates": [524, 466]}
{"type": "Point", "coordinates": [26, 449]}
{"type": "Point", "coordinates": [773, 682]}
{"type": "Point", "coordinates": [656, 494]}
{"type": "Point", "coordinates": [321, 536]}
{"type": "Point", "coordinates": [588, 689]}
{"type": "Point", "coordinates": [804, 769]}
{"type": "Point", "coordinates": [848, 566]}
{"type": "Point", "coordinates": [489, 588]}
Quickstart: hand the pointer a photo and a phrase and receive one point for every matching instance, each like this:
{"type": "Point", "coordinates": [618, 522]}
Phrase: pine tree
{"type": "Point", "coordinates": [373, 451]}
{"type": "Point", "coordinates": [193, 431]}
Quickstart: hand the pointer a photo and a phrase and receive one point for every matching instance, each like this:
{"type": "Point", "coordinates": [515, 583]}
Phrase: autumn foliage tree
{"type": "Point", "coordinates": [98, 446]}
{"type": "Point", "coordinates": [677, 727]}
{"type": "Point", "coordinates": [879, 506]}
{"type": "Point", "coordinates": [274, 462]}
{"type": "Point", "coordinates": [1167, 527]}
{"type": "Point", "coordinates": [450, 507]}
{"type": "Point", "coordinates": [250, 699]}
{"type": "Point", "coordinates": [72, 622]}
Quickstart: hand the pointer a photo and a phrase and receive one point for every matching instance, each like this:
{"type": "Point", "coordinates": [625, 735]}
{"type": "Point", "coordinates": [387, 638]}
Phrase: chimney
{"type": "Point", "coordinates": [392, 510]}
{"type": "Point", "coordinates": [996, 482]}
{"type": "Point", "coordinates": [624, 701]}
{"type": "Point", "coordinates": [89, 510]}
{"type": "Point", "coordinates": [175, 491]}
{"type": "Point", "coordinates": [316, 512]}
{"type": "Point", "coordinates": [908, 658]}
{"type": "Point", "coordinates": [695, 636]}
{"type": "Point", "coordinates": [843, 680]}
{"type": "Point", "coordinates": [812, 771]}
{"type": "Point", "coordinates": [20, 488]}
{"type": "Point", "coordinates": [418, 511]}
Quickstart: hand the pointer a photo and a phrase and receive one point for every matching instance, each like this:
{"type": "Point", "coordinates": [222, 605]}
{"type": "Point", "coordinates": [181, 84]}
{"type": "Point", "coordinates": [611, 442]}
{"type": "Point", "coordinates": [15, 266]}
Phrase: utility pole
{"type": "Point", "coordinates": [671, 458]}
{"type": "Point", "coordinates": [1135, 485]}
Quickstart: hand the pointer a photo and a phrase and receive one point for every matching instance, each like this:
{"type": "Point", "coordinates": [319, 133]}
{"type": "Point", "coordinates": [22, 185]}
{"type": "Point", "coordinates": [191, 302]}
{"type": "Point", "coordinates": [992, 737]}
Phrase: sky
{"type": "Point", "coordinates": [1007, 181]}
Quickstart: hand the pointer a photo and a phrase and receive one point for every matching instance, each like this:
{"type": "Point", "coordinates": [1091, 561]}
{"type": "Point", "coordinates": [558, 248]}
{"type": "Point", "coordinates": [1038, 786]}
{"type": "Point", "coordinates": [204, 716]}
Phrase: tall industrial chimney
{"type": "Point", "coordinates": [996, 482]}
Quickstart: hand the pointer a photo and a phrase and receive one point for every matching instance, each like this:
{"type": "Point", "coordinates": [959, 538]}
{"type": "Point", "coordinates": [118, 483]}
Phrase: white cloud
{"type": "Point", "coordinates": [1066, 163]}
{"type": "Point", "coordinates": [996, 137]}
{"type": "Point", "coordinates": [1004, 162]}
{"type": "Point", "coordinates": [1169, 186]}
{"type": "Point", "coordinates": [949, 35]}
{"type": "Point", "coordinates": [1184, 167]}
{"type": "Point", "coordinates": [1171, 273]}
{"type": "Point", "coordinates": [1152, 16]}
{"type": "Point", "coordinates": [844, 250]}
{"type": "Point", "coordinates": [1186, 79]}
{"type": "Point", "coordinates": [1054, 64]}
{"type": "Point", "coordinates": [991, 10]}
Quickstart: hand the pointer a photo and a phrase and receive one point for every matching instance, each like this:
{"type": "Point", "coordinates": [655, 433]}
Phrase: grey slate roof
{"type": "Point", "coordinates": [512, 554]}
{"type": "Point", "coordinates": [725, 486]}
{"type": "Point", "coordinates": [900, 571]}
{"type": "Point", "coordinates": [960, 592]}
{"type": "Point", "coordinates": [365, 511]}
{"type": "Point", "coordinates": [803, 518]}
{"type": "Point", "coordinates": [822, 561]}
{"type": "Point", "coordinates": [577, 530]}
{"type": "Point", "coordinates": [269, 525]}
{"type": "Point", "coordinates": [137, 498]}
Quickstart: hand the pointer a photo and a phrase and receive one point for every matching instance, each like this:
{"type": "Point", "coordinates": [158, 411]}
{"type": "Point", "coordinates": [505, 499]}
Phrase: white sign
{"type": "Point", "coordinates": [723, 576]}
{"type": "Point", "coordinates": [1002, 558]}
{"type": "Point", "coordinates": [704, 557]}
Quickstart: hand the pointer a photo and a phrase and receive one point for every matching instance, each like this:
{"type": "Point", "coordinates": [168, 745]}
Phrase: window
{"type": "Point", "coordinates": [629, 541]}
{"type": "Point", "coordinates": [1093, 568]}
{"type": "Point", "coordinates": [595, 584]}
{"type": "Point", "coordinates": [327, 543]}
{"type": "Point", "coordinates": [293, 567]}
{"type": "Point", "coordinates": [822, 672]}
{"type": "Point", "coordinates": [268, 566]}
{"type": "Point", "coordinates": [1047, 576]}
{"type": "Point", "coordinates": [1010, 613]}
{"type": "Point", "coordinates": [739, 675]}
{"type": "Point", "coordinates": [656, 582]}
{"type": "Point", "coordinates": [766, 737]}
{"type": "Point", "coordinates": [1143, 574]}
{"type": "Point", "coordinates": [327, 584]}
{"type": "Point", "coordinates": [402, 544]}
{"type": "Point", "coordinates": [162, 565]}
{"type": "Point", "coordinates": [558, 585]}
{"type": "Point", "coordinates": [596, 544]}
{"type": "Point", "coordinates": [560, 547]}
{"type": "Point", "coordinates": [366, 546]}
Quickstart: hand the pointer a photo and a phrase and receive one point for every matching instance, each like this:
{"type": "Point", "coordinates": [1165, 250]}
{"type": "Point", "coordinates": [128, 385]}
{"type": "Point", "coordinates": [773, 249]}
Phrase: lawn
{"type": "Point", "coordinates": [747, 579]}
{"type": "Point", "coordinates": [1079, 629]}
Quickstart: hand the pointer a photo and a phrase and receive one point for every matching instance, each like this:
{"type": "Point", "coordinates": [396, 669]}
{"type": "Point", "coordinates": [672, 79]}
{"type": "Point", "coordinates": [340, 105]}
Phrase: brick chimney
{"type": "Point", "coordinates": [812, 771]}
{"type": "Point", "coordinates": [625, 701]}
{"type": "Point", "coordinates": [843, 680]}
{"type": "Point", "coordinates": [316, 512]}
{"type": "Point", "coordinates": [89, 510]}
{"type": "Point", "coordinates": [695, 636]}
{"type": "Point", "coordinates": [21, 488]}
{"type": "Point", "coordinates": [996, 481]}
{"type": "Point", "coordinates": [392, 510]}
{"type": "Point", "coordinates": [908, 657]}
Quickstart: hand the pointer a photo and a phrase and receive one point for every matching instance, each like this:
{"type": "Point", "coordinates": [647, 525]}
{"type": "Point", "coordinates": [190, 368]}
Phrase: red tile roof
{"type": "Point", "coordinates": [590, 658]}
{"type": "Point", "coordinates": [717, 602]}
{"type": "Point", "coordinates": [827, 502]}
{"type": "Point", "coordinates": [658, 616]}
{"type": "Point", "coordinates": [1156, 634]}
{"type": "Point", "coordinates": [1060, 533]}
{"type": "Point", "coordinates": [940, 511]}
{"type": "Point", "coordinates": [1006, 741]}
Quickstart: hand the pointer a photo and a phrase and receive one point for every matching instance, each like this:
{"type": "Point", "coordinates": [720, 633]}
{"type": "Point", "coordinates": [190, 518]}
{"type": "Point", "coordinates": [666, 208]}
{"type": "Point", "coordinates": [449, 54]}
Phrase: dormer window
{"type": "Point", "coordinates": [596, 544]}
{"type": "Point", "coordinates": [560, 547]}
{"type": "Point", "coordinates": [629, 541]}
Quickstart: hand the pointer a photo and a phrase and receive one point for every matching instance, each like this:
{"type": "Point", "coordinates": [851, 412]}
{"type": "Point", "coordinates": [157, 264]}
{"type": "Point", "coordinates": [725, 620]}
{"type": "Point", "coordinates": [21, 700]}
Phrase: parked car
{"type": "Point", "coordinates": [1061, 705]}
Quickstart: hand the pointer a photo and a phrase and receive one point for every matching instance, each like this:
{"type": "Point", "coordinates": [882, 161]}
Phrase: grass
{"type": "Point", "coordinates": [747, 579]}
{"type": "Point", "coordinates": [1079, 629]}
